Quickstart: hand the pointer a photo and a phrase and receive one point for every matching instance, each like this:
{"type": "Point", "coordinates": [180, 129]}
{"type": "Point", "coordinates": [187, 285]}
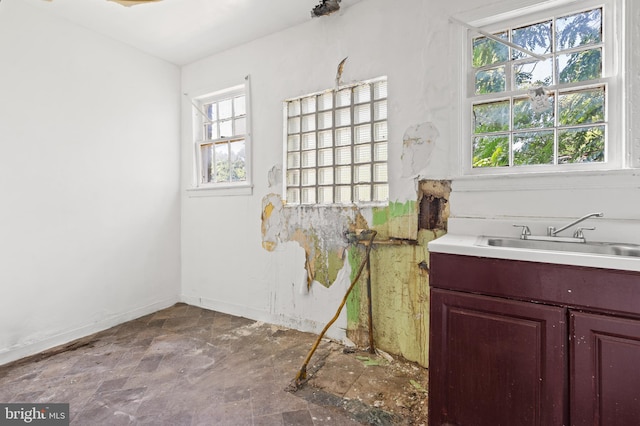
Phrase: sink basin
{"type": "Point", "coordinates": [607, 249]}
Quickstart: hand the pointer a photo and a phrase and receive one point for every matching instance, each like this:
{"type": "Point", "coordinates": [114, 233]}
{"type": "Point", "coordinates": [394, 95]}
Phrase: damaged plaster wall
{"type": "Point", "coordinates": [252, 256]}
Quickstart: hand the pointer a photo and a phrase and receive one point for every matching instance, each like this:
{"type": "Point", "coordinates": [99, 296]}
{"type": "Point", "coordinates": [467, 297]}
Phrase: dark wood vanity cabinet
{"type": "Point", "coordinates": [524, 343]}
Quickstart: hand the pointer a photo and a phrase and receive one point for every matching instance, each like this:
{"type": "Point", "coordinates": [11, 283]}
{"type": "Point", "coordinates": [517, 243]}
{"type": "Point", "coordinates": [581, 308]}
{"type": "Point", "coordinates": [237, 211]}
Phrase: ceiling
{"type": "Point", "coordinates": [183, 31]}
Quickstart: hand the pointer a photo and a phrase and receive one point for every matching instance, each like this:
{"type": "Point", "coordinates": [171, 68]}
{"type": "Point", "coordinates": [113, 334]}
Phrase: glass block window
{"type": "Point", "coordinates": [546, 110]}
{"type": "Point", "coordinates": [336, 146]}
{"type": "Point", "coordinates": [221, 138]}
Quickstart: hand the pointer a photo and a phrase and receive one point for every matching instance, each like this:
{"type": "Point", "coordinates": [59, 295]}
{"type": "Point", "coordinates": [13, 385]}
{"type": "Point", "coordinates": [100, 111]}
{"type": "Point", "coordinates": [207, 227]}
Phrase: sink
{"type": "Point", "coordinates": [607, 249]}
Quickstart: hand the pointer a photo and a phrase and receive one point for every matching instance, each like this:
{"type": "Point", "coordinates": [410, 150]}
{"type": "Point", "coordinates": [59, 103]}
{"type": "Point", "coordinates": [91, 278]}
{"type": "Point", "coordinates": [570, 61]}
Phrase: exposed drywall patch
{"type": "Point", "coordinates": [434, 204]}
{"type": "Point", "coordinates": [418, 144]}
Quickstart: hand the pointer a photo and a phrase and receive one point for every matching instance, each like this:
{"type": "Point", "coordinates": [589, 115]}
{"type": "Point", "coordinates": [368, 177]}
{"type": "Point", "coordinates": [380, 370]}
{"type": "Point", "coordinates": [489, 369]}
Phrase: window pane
{"type": "Point", "coordinates": [343, 137]}
{"type": "Point", "coordinates": [532, 112]}
{"type": "Point", "coordinates": [293, 160]}
{"type": "Point", "coordinates": [533, 148]}
{"type": "Point", "coordinates": [308, 159]}
{"type": "Point", "coordinates": [309, 141]}
{"type": "Point", "coordinates": [362, 153]}
{"type": "Point", "coordinates": [308, 196]}
{"type": "Point", "coordinates": [380, 110]}
{"type": "Point", "coordinates": [535, 38]}
{"type": "Point", "coordinates": [325, 157]}
{"type": "Point", "coordinates": [380, 90]}
{"type": "Point", "coordinates": [533, 74]}
{"type": "Point", "coordinates": [343, 98]}
{"type": "Point", "coordinates": [212, 112]}
{"type": "Point", "coordinates": [579, 29]}
{"type": "Point", "coordinates": [487, 51]}
{"type": "Point", "coordinates": [361, 94]}
{"type": "Point", "coordinates": [238, 161]}
{"type": "Point", "coordinates": [325, 120]}
{"type": "Point", "coordinates": [239, 107]}
{"type": "Point", "coordinates": [580, 66]}
{"type": "Point", "coordinates": [293, 108]}
{"type": "Point", "coordinates": [380, 172]}
{"type": "Point", "coordinates": [293, 196]}
{"type": "Point", "coordinates": [362, 193]}
{"type": "Point", "coordinates": [325, 101]}
{"type": "Point", "coordinates": [308, 123]}
{"type": "Point", "coordinates": [581, 145]}
{"type": "Point", "coordinates": [491, 151]}
{"type": "Point", "coordinates": [381, 192]}
{"type": "Point", "coordinates": [362, 134]}
{"type": "Point", "coordinates": [343, 117]}
{"type": "Point", "coordinates": [325, 176]}
{"type": "Point", "coordinates": [293, 143]}
{"type": "Point", "coordinates": [308, 177]}
{"type": "Point", "coordinates": [225, 109]}
{"type": "Point", "coordinates": [343, 194]}
{"type": "Point", "coordinates": [362, 173]}
{"type": "Point", "coordinates": [491, 117]}
{"type": "Point", "coordinates": [226, 128]}
{"type": "Point", "coordinates": [380, 151]}
{"type": "Point", "coordinates": [325, 195]}
{"type": "Point", "coordinates": [362, 114]}
{"type": "Point", "coordinates": [293, 178]}
{"type": "Point", "coordinates": [325, 139]}
{"type": "Point", "coordinates": [583, 107]}
{"type": "Point", "coordinates": [308, 105]}
{"type": "Point", "coordinates": [380, 131]}
{"type": "Point", "coordinates": [490, 81]}
{"type": "Point", "coordinates": [221, 166]}
{"type": "Point", "coordinates": [343, 155]}
{"type": "Point", "coordinates": [206, 159]}
{"type": "Point", "coordinates": [211, 131]}
{"type": "Point", "coordinates": [343, 175]}
{"type": "Point", "coordinates": [240, 126]}
{"type": "Point", "coordinates": [293, 125]}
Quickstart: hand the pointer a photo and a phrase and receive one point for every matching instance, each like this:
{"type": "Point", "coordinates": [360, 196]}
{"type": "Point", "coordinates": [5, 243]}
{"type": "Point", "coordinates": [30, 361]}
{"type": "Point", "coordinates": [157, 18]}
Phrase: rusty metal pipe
{"type": "Point", "coordinates": [302, 373]}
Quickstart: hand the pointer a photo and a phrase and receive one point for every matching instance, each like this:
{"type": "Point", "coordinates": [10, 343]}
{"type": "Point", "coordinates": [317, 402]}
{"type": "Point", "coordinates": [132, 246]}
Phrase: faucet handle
{"type": "Point", "coordinates": [525, 231]}
{"type": "Point", "coordinates": [579, 234]}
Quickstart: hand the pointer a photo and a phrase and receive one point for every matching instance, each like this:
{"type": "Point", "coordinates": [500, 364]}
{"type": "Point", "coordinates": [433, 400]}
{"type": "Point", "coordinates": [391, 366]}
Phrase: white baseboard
{"type": "Point", "coordinates": [20, 351]}
{"type": "Point", "coordinates": [335, 332]}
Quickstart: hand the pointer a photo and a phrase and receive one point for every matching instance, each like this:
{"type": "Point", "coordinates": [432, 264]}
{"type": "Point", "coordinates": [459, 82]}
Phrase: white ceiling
{"type": "Point", "coordinates": [183, 31]}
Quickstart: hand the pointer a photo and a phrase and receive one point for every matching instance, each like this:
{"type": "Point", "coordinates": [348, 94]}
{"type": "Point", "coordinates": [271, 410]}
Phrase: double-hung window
{"type": "Point", "coordinates": [336, 146]}
{"type": "Point", "coordinates": [222, 138]}
{"type": "Point", "coordinates": [548, 98]}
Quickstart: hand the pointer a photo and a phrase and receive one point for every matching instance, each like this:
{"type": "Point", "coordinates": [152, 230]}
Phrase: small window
{"type": "Point", "coordinates": [221, 138]}
{"type": "Point", "coordinates": [546, 105]}
{"type": "Point", "coordinates": [336, 146]}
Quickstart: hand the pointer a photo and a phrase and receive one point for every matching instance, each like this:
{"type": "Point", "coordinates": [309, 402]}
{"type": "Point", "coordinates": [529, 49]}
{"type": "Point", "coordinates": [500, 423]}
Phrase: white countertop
{"type": "Point", "coordinates": [468, 245]}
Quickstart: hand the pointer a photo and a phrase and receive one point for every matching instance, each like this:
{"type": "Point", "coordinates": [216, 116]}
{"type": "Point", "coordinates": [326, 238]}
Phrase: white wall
{"type": "Point", "coordinates": [412, 42]}
{"type": "Point", "coordinates": [89, 171]}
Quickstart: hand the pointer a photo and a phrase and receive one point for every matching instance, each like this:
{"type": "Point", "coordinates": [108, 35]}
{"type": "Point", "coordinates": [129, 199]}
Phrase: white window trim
{"type": "Point", "coordinates": [199, 189]}
{"type": "Point", "coordinates": [614, 67]}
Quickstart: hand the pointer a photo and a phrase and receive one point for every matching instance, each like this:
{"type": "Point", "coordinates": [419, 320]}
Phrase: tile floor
{"type": "Point", "coordinates": [188, 366]}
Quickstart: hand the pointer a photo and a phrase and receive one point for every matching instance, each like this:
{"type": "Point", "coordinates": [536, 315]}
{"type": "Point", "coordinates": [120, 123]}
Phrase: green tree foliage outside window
{"type": "Point", "coordinates": [540, 115]}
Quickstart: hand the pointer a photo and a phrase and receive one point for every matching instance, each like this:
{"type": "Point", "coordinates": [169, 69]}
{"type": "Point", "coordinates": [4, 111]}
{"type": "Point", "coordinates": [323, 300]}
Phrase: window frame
{"type": "Point", "coordinates": [612, 79]}
{"type": "Point", "coordinates": [198, 104]}
{"type": "Point", "coordinates": [353, 145]}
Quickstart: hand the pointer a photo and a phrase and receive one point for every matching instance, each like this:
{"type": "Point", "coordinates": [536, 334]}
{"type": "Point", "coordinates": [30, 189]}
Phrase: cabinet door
{"type": "Point", "coordinates": [496, 362]}
{"type": "Point", "coordinates": [605, 370]}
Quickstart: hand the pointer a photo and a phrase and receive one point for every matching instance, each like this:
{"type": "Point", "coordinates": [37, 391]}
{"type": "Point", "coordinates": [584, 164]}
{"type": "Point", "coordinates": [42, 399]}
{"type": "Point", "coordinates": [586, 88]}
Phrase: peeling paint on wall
{"type": "Point", "coordinates": [418, 144]}
{"type": "Point", "coordinates": [320, 231]}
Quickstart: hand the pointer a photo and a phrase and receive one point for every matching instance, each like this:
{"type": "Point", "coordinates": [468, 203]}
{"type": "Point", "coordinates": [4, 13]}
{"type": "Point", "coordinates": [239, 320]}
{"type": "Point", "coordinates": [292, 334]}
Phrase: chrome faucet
{"type": "Point", "coordinates": [552, 231]}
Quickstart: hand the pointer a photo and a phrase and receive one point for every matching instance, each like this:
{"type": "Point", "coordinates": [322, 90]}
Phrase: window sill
{"type": "Point", "coordinates": [220, 191]}
{"type": "Point", "coordinates": [566, 180]}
